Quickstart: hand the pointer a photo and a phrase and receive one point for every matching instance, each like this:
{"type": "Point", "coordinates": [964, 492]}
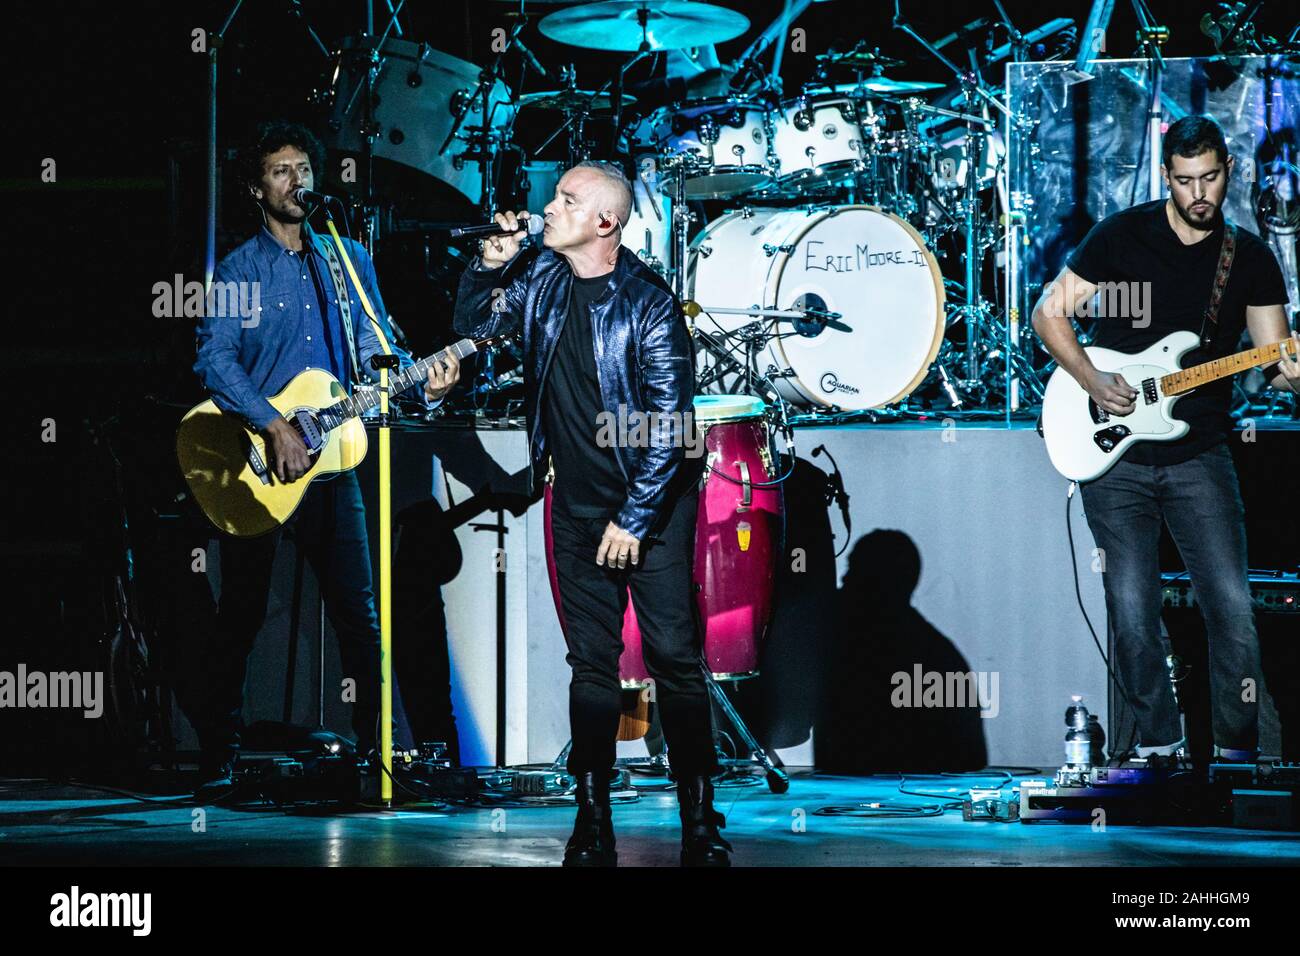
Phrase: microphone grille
{"type": "Point", "coordinates": [535, 224]}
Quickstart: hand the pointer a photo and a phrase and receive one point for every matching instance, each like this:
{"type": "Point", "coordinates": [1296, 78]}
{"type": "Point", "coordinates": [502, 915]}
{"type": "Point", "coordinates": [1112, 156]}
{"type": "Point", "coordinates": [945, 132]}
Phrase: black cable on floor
{"type": "Point", "coordinates": [1078, 596]}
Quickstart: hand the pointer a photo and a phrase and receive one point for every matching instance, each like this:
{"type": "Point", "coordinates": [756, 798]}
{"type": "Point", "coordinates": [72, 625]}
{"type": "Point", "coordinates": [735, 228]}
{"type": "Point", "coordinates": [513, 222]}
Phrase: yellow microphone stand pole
{"type": "Point", "coordinates": [388, 361]}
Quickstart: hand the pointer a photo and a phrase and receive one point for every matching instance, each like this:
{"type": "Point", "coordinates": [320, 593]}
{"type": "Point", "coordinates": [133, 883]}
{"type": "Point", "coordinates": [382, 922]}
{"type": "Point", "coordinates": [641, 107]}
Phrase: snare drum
{"type": "Point", "coordinates": [730, 140]}
{"type": "Point", "coordinates": [739, 533]}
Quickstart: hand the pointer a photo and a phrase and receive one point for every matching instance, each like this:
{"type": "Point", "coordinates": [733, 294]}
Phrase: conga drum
{"type": "Point", "coordinates": [738, 537]}
{"type": "Point", "coordinates": [739, 532]}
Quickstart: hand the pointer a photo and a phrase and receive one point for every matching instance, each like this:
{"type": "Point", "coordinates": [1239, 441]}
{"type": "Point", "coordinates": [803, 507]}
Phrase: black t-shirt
{"type": "Point", "coordinates": [1139, 246]}
{"type": "Point", "coordinates": [588, 480]}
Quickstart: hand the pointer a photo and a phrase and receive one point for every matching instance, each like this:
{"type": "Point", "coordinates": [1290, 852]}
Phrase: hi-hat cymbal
{"type": "Point", "coordinates": [573, 101]}
{"type": "Point", "coordinates": [669, 25]}
{"type": "Point", "coordinates": [880, 86]}
{"type": "Point", "coordinates": [860, 59]}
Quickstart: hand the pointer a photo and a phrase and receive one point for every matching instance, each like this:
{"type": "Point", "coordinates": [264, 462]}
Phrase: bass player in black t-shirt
{"type": "Point", "coordinates": [1166, 256]}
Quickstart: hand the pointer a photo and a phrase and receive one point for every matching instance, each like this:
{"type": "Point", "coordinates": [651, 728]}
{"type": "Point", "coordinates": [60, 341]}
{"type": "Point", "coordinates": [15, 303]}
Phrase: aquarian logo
{"type": "Point", "coordinates": [832, 384]}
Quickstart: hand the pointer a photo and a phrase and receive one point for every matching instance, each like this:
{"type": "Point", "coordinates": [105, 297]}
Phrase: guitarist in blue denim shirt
{"type": "Point", "coordinates": [308, 314]}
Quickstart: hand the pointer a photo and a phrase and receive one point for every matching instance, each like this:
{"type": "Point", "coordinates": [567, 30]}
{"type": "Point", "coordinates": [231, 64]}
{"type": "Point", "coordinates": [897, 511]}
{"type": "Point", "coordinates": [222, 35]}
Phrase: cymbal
{"type": "Point", "coordinates": [669, 25]}
{"type": "Point", "coordinates": [572, 101]}
{"type": "Point", "coordinates": [879, 85]}
{"type": "Point", "coordinates": [860, 59]}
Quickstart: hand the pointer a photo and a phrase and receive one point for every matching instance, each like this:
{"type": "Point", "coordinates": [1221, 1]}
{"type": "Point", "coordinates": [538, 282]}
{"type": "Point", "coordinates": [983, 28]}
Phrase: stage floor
{"type": "Point", "coordinates": [47, 824]}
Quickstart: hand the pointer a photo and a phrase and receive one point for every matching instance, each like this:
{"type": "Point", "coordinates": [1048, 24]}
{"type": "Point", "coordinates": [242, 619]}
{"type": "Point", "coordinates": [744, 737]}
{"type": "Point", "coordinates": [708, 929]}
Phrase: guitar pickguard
{"type": "Point", "coordinates": [306, 423]}
{"type": "Point", "coordinates": [308, 426]}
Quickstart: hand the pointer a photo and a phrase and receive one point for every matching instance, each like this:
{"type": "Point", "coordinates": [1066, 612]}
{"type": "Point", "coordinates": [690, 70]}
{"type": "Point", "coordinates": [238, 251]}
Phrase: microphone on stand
{"type": "Point", "coordinates": [533, 225]}
{"type": "Point", "coordinates": [530, 59]}
{"type": "Point", "coordinates": [304, 197]}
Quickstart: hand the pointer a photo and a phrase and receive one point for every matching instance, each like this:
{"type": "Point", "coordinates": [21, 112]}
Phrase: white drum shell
{"type": "Point", "coordinates": [740, 158]}
{"type": "Point", "coordinates": [832, 140]}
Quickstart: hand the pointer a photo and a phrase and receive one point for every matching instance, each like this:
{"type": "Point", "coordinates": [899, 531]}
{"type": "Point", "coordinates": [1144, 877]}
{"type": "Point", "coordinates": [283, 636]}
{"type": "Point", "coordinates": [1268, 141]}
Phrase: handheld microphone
{"type": "Point", "coordinates": [533, 224]}
{"type": "Point", "coordinates": [304, 196]}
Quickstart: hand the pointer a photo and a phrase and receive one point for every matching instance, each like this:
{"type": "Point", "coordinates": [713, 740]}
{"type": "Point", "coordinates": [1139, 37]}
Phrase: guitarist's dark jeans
{"type": "Point", "coordinates": [1200, 501]}
{"type": "Point", "coordinates": [330, 526]}
{"type": "Point", "coordinates": [594, 599]}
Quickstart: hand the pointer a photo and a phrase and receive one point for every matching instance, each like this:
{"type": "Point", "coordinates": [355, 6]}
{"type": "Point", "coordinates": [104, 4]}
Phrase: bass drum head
{"type": "Point", "coordinates": [870, 267]}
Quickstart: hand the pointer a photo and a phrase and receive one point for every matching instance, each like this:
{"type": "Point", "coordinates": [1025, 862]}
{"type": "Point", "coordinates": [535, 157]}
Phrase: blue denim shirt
{"type": "Point", "coordinates": [243, 360]}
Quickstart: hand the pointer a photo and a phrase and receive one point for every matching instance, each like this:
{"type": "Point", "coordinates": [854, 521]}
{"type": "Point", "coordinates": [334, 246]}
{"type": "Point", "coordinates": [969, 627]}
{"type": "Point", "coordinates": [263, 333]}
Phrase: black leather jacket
{"type": "Point", "coordinates": [644, 359]}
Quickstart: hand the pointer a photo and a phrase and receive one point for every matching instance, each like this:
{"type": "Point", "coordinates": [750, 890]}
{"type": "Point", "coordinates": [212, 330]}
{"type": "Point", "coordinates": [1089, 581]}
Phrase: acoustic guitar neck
{"type": "Point", "coordinates": [362, 401]}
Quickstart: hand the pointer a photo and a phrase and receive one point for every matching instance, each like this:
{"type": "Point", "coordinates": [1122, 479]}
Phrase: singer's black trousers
{"type": "Point", "coordinates": [594, 599]}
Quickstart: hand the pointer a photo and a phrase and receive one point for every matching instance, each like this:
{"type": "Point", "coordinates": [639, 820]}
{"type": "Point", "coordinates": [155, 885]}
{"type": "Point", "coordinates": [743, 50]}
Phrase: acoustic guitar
{"type": "Point", "coordinates": [227, 466]}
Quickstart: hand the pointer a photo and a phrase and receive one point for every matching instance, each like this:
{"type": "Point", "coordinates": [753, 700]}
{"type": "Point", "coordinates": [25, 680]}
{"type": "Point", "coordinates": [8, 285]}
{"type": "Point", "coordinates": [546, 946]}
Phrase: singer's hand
{"type": "Point", "coordinates": [617, 546]}
{"type": "Point", "coordinates": [498, 250]}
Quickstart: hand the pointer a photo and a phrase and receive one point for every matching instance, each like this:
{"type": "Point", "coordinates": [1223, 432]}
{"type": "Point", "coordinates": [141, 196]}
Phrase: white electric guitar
{"type": "Point", "coordinates": [1084, 440]}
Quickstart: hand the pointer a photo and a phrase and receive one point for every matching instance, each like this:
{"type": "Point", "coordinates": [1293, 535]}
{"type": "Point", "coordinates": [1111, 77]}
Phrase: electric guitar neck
{"type": "Point", "coordinates": [1184, 380]}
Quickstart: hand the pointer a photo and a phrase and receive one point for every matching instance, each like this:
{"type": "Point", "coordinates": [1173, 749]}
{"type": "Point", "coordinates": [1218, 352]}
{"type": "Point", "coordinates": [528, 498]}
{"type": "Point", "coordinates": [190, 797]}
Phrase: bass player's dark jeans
{"type": "Point", "coordinates": [1200, 501]}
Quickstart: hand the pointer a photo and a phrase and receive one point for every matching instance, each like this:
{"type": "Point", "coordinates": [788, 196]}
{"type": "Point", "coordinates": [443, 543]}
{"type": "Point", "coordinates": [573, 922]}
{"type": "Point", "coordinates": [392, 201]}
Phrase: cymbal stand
{"type": "Point", "coordinates": [488, 144]}
{"type": "Point", "coordinates": [369, 129]}
{"type": "Point", "coordinates": [681, 225]}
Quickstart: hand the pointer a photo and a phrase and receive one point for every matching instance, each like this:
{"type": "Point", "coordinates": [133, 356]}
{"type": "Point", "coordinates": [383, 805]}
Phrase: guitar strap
{"type": "Point", "coordinates": [1210, 324]}
{"type": "Point", "coordinates": [331, 256]}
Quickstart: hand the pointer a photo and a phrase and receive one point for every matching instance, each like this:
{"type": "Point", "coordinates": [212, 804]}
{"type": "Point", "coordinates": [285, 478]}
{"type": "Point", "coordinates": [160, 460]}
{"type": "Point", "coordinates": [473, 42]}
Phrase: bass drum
{"type": "Point", "coordinates": [869, 266]}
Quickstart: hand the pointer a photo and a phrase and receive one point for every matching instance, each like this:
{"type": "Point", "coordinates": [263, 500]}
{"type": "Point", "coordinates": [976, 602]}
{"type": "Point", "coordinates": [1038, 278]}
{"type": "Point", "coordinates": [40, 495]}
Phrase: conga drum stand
{"type": "Point", "coordinates": [777, 779]}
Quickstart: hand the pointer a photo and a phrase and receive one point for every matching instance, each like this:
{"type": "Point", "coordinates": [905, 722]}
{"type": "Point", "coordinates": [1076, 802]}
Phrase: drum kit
{"type": "Point", "coordinates": [803, 232]}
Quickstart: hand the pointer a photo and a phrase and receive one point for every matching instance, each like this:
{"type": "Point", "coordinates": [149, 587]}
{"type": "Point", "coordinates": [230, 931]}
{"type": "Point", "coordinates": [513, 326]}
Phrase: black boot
{"type": "Point", "coordinates": [216, 775]}
{"type": "Point", "coordinates": [592, 843]}
{"type": "Point", "coordinates": [702, 845]}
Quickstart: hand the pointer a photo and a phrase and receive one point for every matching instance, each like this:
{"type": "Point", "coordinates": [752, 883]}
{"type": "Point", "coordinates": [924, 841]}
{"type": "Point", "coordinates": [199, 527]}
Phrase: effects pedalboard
{"type": "Point", "coordinates": [425, 773]}
{"type": "Point", "coordinates": [1253, 796]}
